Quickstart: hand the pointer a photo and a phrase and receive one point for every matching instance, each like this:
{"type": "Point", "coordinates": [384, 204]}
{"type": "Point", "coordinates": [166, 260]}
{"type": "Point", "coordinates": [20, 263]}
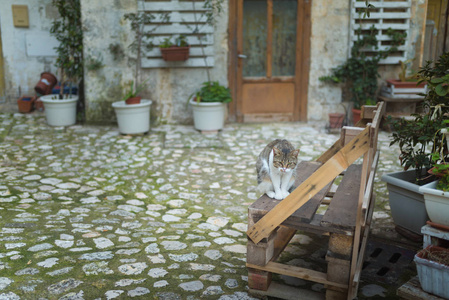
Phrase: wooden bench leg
{"type": "Point", "coordinates": [258, 280]}
{"type": "Point", "coordinates": [338, 264]}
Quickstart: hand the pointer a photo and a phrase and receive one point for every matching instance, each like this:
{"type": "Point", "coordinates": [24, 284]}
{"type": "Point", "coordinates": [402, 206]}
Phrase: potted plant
{"type": "Point", "coordinates": [25, 104]}
{"type": "Point", "coordinates": [60, 110]}
{"type": "Point", "coordinates": [133, 113]}
{"type": "Point", "coordinates": [177, 51]}
{"type": "Point", "coordinates": [417, 140]}
{"type": "Point", "coordinates": [209, 106]}
{"type": "Point", "coordinates": [405, 86]}
{"type": "Point", "coordinates": [432, 264]}
{"type": "Point", "coordinates": [360, 72]}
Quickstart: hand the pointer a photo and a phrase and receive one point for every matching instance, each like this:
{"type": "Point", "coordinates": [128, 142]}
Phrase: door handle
{"type": "Point", "coordinates": [242, 56]}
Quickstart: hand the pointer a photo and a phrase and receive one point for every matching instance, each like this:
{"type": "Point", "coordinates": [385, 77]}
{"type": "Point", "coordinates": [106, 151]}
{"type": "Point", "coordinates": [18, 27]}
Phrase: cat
{"type": "Point", "coordinates": [276, 169]}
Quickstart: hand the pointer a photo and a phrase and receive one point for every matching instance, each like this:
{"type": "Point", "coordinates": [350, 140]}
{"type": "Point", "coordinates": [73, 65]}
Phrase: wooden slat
{"type": "Point", "coordinates": [177, 29]}
{"type": "Point", "coordinates": [331, 151]}
{"type": "Point", "coordinates": [155, 6]}
{"type": "Point", "coordinates": [298, 272]}
{"type": "Point", "coordinates": [194, 51]}
{"type": "Point", "coordinates": [383, 4]}
{"type": "Point", "coordinates": [323, 176]}
{"type": "Point", "coordinates": [190, 63]}
{"type": "Point", "coordinates": [343, 207]}
{"type": "Point", "coordinates": [283, 237]}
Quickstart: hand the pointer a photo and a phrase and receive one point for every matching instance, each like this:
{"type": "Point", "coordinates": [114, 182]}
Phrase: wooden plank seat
{"type": "Point", "coordinates": [272, 223]}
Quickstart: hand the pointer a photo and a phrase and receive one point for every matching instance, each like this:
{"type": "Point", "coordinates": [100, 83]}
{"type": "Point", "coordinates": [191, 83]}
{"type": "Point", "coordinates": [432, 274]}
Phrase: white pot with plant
{"type": "Point", "coordinates": [209, 106]}
{"type": "Point", "coordinates": [133, 117]}
{"type": "Point", "coordinates": [60, 112]}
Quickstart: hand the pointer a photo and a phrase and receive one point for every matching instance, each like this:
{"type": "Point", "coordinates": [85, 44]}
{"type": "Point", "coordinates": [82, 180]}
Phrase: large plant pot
{"type": "Point", "coordinates": [46, 83]}
{"type": "Point", "coordinates": [406, 201]}
{"type": "Point", "coordinates": [208, 116]}
{"type": "Point", "coordinates": [356, 115]}
{"type": "Point", "coordinates": [133, 118]}
{"type": "Point", "coordinates": [60, 112]}
{"type": "Point", "coordinates": [433, 276]}
{"type": "Point", "coordinates": [436, 202]}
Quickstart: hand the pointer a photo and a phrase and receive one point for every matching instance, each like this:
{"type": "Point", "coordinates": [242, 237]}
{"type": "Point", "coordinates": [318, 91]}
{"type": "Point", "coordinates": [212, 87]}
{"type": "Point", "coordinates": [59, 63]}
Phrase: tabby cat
{"type": "Point", "coordinates": [276, 169]}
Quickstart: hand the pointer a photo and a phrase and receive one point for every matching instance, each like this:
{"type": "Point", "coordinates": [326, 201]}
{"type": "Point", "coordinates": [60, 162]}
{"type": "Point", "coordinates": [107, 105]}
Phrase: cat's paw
{"type": "Point", "coordinates": [271, 194]}
{"type": "Point", "coordinates": [284, 194]}
{"type": "Point", "coordinates": [278, 196]}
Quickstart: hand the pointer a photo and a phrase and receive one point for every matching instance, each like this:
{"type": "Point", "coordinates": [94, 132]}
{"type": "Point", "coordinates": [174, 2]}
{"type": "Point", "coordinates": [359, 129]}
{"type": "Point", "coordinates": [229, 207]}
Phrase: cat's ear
{"type": "Point", "coordinates": [276, 151]}
{"type": "Point", "coordinates": [295, 153]}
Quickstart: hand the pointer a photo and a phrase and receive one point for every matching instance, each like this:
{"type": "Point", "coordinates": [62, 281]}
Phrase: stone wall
{"type": "Point", "coordinates": [169, 89]}
{"type": "Point", "coordinates": [27, 52]}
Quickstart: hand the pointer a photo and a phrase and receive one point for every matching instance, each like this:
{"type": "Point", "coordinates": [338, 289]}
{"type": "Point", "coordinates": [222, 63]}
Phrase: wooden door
{"type": "Point", "coordinates": [271, 59]}
{"type": "Point", "coordinates": [2, 76]}
{"type": "Point", "coordinates": [435, 37]}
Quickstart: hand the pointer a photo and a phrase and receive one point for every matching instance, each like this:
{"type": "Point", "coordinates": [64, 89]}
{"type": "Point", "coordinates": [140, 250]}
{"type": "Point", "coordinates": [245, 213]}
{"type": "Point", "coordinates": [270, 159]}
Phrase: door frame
{"type": "Point", "coordinates": [303, 29]}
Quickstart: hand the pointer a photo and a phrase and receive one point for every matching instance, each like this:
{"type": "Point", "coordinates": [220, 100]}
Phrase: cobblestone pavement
{"type": "Point", "coordinates": [86, 213]}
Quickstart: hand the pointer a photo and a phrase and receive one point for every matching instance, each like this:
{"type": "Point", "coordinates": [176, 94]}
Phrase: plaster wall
{"type": "Point", "coordinates": [169, 89]}
{"type": "Point", "coordinates": [22, 68]}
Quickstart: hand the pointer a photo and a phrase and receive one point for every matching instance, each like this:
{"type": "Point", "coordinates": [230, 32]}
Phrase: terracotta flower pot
{"type": "Point", "coordinates": [175, 53]}
{"type": "Point", "coordinates": [25, 104]}
{"type": "Point", "coordinates": [356, 115]}
{"type": "Point", "coordinates": [133, 100]}
{"type": "Point", "coordinates": [336, 120]}
{"type": "Point", "coordinates": [46, 83]}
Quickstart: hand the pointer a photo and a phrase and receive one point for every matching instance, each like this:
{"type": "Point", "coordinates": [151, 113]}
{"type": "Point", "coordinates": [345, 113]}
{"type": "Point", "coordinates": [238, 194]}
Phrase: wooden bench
{"type": "Point", "coordinates": [273, 223]}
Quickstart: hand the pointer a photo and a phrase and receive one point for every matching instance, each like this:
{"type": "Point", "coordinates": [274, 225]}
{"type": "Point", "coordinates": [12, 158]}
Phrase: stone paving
{"type": "Point", "coordinates": [87, 213]}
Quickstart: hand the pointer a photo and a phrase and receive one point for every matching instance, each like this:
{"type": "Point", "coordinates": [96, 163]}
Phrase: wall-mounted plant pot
{"type": "Point", "coordinates": [46, 83]}
{"type": "Point", "coordinates": [60, 112]}
{"type": "Point", "coordinates": [133, 100]}
{"type": "Point", "coordinates": [175, 53]}
{"type": "Point", "coordinates": [133, 119]}
{"type": "Point", "coordinates": [433, 274]}
{"type": "Point", "coordinates": [26, 104]}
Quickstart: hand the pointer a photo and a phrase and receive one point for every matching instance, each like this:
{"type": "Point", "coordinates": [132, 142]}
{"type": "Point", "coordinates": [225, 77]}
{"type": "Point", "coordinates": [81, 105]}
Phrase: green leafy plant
{"type": "Point", "coordinates": [68, 31]}
{"type": "Point", "coordinates": [180, 41]}
{"type": "Point", "coordinates": [360, 72]}
{"type": "Point", "coordinates": [420, 140]}
{"type": "Point", "coordinates": [212, 91]}
{"type": "Point", "coordinates": [134, 90]}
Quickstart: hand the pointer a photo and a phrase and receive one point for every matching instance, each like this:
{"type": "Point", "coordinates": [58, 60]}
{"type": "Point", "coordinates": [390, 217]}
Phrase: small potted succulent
{"type": "Point", "coordinates": [133, 113]}
{"type": "Point", "coordinates": [209, 106]}
{"type": "Point", "coordinates": [177, 51]}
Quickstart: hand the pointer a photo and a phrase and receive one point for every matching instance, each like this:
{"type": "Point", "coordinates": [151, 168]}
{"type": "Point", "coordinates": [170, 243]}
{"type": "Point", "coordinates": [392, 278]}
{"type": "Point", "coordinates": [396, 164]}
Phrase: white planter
{"type": "Point", "coordinates": [60, 112]}
{"type": "Point", "coordinates": [208, 116]}
{"type": "Point", "coordinates": [433, 276]}
{"type": "Point", "coordinates": [406, 201]}
{"type": "Point", "coordinates": [133, 118]}
{"type": "Point", "coordinates": [437, 203]}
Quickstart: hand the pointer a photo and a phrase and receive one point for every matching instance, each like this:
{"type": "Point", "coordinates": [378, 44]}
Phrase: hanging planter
{"type": "Point", "coordinates": [175, 53]}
